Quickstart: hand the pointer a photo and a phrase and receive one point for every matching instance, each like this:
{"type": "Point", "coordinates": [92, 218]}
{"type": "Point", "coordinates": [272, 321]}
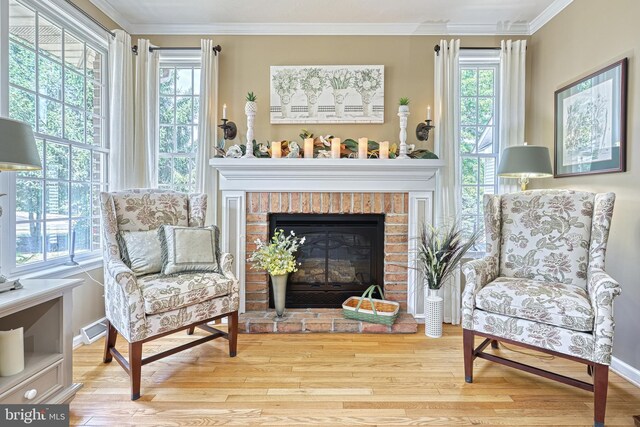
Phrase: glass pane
{"type": "Point", "coordinates": [29, 243]}
{"type": "Point", "coordinates": [49, 39]}
{"type": "Point", "coordinates": [73, 124]}
{"type": "Point", "coordinates": [468, 111]}
{"type": "Point", "coordinates": [468, 82]}
{"type": "Point", "coordinates": [82, 229]}
{"type": "Point", "coordinates": [485, 83]}
{"type": "Point", "coordinates": [469, 170]}
{"type": "Point", "coordinates": [94, 98]}
{"type": "Point", "coordinates": [196, 109]}
{"type": "Point", "coordinates": [95, 234]}
{"type": "Point", "coordinates": [22, 24]}
{"type": "Point", "coordinates": [94, 130]}
{"type": "Point", "coordinates": [80, 200]}
{"type": "Point", "coordinates": [167, 134]}
{"type": "Point", "coordinates": [57, 242]}
{"type": "Point", "coordinates": [73, 88]}
{"type": "Point", "coordinates": [94, 64]}
{"type": "Point", "coordinates": [182, 174]}
{"type": "Point", "coordinates": [167, 81]}
{"type": "Point", "coordinates": [28, 200]}
{"type": "Point", "coordinates": [166, 110]}
{"type": "Point", "coordinates": [22, 106]}
{"type": "Point", "coordinates": [22, 66]}
{"type": "Point", "coordinates": [95, 199]}
{"type": "Point", "coordinates": [487, 171]}
{"type": "Point", "coordinates": [468, 139]}
{"type": "Point", "coordinates": [57, 200]}
{"type": "Point", "coordinates": [50, 117]}
{"type": "Point", "coordinates": [73, 53]}
{"type": "Point", "coordinates": [50, 78]}
{"type": "Point", "coordinates": [469, 200]}
{"type": "Point", "coordinates": [36, 173]}
{"type": "Point", "coordinates": [196, 81]}
{"type": "Point", "coordinates": [485, 139]}
{"type": "Point", "coordinates": [164, 171]}
{"type": "Point", "coordinates": [183, 139]}
{"type": "Point", "coordinates": [98, 167]}
{"type": "Point", "coordinates": [184, 110]}
{"type": "Point", "coordinates": [184, 82]}
{"type": "Point", "coordinates": [80, 164]}
{"type": "Point", "coordinates": [194, 145]}
{"type": "Point", "coordinates": [485, 111]}
{"type": "Point", "coordinates": [57, 161]}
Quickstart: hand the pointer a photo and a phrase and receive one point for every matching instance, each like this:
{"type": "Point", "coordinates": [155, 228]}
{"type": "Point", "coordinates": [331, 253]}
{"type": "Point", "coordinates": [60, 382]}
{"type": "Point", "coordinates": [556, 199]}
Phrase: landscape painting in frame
{"type": "Point", "coordinates": [591, 123]}
{"type": "Point", "coordinates": [327, 94]}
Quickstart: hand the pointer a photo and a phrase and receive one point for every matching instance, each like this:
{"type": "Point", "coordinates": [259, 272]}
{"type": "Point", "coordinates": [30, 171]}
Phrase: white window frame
{"type": "Point", "coordinates": [65, 16]}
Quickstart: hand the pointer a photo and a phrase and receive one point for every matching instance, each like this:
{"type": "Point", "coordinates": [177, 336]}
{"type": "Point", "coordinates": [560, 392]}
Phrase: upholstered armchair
{"type": "Point", "coordinates": [145, 307]}
{"type": "Point", "coordinates": [542, 284]}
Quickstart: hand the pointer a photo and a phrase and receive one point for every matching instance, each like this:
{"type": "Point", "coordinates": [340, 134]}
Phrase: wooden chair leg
{"type": "Point", "coordinates": [467, 344]}
{"type": "Point", "coordinates": [494, 344]}
{"type": "Point", "coordinates": [233, 333]}
{"type": "Point", "coordinates": [191, 330]}
{"type": "Point", "coordinates": [600, 386]}
{"type": "Point", "coordinates": [109, 342]}
{"type": "Point", "coordinates": [135, 366]}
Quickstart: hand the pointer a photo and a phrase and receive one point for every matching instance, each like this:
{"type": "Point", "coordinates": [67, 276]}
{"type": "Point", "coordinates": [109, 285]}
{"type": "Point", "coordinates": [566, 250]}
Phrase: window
{"type": "Point", "coordinates": [57, 84]}
{"type": "Point", "coordinates": [179, 104]}
{"type": "Point", "coordinates": [478, 146]}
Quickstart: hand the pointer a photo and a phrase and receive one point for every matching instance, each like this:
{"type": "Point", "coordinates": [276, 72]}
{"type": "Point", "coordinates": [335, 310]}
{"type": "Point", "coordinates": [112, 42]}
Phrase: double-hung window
{"type": "Point", "coordinates": [478, 145]}
{"type": "Point", "coordinates": [57, 82]}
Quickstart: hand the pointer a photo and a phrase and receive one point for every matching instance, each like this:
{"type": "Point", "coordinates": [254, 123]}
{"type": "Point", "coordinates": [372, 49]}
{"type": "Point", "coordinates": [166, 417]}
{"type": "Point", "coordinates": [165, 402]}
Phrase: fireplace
{"type": "Point", "coordinates": [342, 256]}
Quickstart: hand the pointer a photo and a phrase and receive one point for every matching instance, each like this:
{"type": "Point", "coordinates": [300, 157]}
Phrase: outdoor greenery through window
{"type": "Point", "coordinates": [479, 145]}
{"type": "Point", "coordinates": [57, 85]}
{"type": "Point", "coordinates": [178, 134]}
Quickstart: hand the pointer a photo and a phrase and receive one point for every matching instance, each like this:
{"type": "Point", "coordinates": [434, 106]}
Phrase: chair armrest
{"type": "Point", "coordinates": [124, 305]}
{"type": "Point", "coordinates": [226, 266]}
{"type": "Point", "coordinates": [477, 274]}
{"type": "Point", "coordinates": [602, 290]}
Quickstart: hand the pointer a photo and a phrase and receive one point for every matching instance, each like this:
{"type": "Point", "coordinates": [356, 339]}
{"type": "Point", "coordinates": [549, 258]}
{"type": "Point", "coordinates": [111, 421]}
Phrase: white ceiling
{"type": "Point", "coordinates": [369, 17]}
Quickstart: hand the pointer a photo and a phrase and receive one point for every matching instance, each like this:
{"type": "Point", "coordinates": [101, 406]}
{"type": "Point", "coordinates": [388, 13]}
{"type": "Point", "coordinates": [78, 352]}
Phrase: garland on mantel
{"type": "Point", "coordinates": [321, 149]}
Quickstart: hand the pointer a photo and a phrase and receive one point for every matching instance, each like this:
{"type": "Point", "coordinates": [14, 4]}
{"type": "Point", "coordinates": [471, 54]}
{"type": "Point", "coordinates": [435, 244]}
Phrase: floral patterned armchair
{"type": "Point", "coordinates": [148, 307]}
{"type": "Point", "coordinates": [542, 284]}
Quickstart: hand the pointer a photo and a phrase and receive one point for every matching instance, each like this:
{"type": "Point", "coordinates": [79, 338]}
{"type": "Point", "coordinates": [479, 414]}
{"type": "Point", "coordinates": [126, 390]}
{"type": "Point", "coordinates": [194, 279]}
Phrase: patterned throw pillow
{"type": "Point", "coordinates": [188, 249]}
{"type": "Point", "coordinates": [141, 251]}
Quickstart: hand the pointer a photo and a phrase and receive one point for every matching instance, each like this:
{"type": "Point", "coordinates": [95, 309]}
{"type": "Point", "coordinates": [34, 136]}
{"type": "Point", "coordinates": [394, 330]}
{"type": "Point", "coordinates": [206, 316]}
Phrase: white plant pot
{"type": "Point", "coordinates": [433, 314]}
{"type": "Point", "coordinates": [403, 109]}
{"type": "Point", "coordinates": [339, 97]}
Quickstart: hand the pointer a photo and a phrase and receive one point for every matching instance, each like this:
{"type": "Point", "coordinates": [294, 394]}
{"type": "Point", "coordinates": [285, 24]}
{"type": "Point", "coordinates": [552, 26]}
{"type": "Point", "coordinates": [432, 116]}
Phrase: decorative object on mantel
{"type": "Point", "coordinates": [423, 129]}
{"type": "Point", "coordinates": [278, 260]}
{"type": "Point", "coordinates": [250, 109]}
{"type": "Point", "coordinates": [591, 123]}
{"type": "Point", "coordinates": [369, 309]}
{"type": "Point", "coordinates": [235, 151]}
{"type": "Point", "coordinates": [524, 162]}
{"type": "Point", "coordinates": [439, 253]}
{"type": "Point", "coordinates": [229, 128]}
{"type": "Point", "coordinates": [403, 113]}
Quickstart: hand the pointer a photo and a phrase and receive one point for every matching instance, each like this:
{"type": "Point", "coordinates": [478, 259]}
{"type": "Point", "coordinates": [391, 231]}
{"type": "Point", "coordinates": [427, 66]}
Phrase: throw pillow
{"type": "Point", "coordinates": [188, 249]}
{"type": "Point", "coordinates": [141, 251]}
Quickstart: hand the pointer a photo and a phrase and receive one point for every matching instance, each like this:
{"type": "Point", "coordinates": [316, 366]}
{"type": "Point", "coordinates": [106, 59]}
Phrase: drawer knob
{"type": "Point", "coordinates": [31, 394]}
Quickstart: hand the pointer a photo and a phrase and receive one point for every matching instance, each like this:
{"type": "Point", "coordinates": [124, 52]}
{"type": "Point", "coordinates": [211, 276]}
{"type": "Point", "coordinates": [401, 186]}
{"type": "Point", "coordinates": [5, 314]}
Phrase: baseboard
{"type": "Point", "coordinates": [626, 371]}
{"type": "Point", "coordinates": [77, 341]}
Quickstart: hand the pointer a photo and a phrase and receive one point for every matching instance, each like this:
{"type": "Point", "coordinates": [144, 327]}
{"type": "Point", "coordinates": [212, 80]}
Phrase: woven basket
{"type": "Point", "coordinates": [370, 309]}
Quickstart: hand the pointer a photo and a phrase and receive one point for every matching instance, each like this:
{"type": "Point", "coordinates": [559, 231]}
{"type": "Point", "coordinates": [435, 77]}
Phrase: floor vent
{"type": "Point", "coordinates": [94, 331]}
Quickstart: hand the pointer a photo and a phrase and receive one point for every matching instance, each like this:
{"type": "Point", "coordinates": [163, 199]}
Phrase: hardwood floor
{"type": "Point", "coordinates": [333, 379]}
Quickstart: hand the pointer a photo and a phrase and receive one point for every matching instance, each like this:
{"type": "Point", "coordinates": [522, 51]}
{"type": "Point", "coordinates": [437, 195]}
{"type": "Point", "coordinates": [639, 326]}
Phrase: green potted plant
{"type": "Point", "coordinates": [439, 253]}
{"type": "Point", "coordinates": [277, 258]}
{"type": "Point", "coordinates": [404, 105]}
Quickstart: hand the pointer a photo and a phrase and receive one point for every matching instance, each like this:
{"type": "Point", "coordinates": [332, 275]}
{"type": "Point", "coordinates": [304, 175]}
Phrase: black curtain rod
{"type": "Point", "coordinates": [216, 48]}
{"type": "Point", "coordinates": [436, 48]}
{"type": "Point", "coordinates": [91, 18]}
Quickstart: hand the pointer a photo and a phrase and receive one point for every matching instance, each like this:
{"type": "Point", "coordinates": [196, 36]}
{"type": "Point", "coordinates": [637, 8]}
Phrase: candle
{"type": "Point", "coordinates": [335, 148]}
{"type": "Point", "coordinates": [276, 149]}
{"type": "Point", "coordinates": [429, 112]}
{"type": "Point", "coordinates": [384, 150]}
{"type": "Point", "coordinates": [363, 146]}
{"type": "Point", "coordinates": [308, 148]}
{"type": "Point", "coordinates": [11, 352]}
{"type": "Point", "coordinates": [224, 111]}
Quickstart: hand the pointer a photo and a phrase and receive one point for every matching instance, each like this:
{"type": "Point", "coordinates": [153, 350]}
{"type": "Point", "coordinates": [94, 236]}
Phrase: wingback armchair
{"type": "Point", "coordinates": [542, 284]}
{"type": "Point", "coordinates": [147, 307]}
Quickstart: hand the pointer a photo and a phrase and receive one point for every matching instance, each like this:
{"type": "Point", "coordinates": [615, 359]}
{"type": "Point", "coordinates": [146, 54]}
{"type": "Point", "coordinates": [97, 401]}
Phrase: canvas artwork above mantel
{"type": "Point", "coordinates": [327, 94]}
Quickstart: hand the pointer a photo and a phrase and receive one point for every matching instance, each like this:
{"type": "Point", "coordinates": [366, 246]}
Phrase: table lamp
{"type": "Point", "coordinates": [524, 162]}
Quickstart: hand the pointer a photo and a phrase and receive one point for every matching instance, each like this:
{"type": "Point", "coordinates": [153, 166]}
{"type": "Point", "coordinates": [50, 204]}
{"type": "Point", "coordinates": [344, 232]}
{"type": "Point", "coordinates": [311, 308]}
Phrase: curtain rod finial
{"type": "Point", "coordinates": [436, 49]}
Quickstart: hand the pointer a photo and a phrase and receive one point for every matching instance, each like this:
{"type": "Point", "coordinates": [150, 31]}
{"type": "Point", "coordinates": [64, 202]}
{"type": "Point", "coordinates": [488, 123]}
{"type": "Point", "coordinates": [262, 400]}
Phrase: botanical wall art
{"type": "Point", "coordinates": [327, 94]}
{"type": "Point", "coordinates": [590, 123]}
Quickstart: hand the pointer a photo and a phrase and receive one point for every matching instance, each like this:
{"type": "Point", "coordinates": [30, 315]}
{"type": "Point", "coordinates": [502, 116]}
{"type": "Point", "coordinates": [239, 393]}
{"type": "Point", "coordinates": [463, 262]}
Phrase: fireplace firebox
{"type": "Point", "coordinates": [342, 256]}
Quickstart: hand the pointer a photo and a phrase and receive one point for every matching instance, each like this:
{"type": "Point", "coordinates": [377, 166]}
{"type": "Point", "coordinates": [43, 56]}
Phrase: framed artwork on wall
{"type": "Point", "coordinates": [590, 123]}
{"type": "Point", "coordinates": [327, 94]}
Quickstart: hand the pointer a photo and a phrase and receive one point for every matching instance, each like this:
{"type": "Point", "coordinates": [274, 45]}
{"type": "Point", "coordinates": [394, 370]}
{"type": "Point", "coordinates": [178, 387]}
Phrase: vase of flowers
{"type": "Point", "coordinates": [312, 83]}
{"type": "Point", "coordinates": [285, 83]}
{"type": "Point", "coordinates": [440, 251]}
{"type": "Point", "coordinates": [367, 82]}
{"type": "Point", "coordinates": [339, 81]}
{"type": "Point", "coordinates": [277, 258]}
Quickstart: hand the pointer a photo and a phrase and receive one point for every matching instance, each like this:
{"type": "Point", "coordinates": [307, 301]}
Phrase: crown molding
{"type": "Point", "coordinates": [112, 13]}
{"type": "Point", "coordinates": [547, 15]}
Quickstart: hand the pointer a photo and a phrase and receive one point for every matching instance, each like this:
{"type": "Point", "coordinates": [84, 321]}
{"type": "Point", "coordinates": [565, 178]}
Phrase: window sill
{"type": "Point", "coordinates": [62, 271]}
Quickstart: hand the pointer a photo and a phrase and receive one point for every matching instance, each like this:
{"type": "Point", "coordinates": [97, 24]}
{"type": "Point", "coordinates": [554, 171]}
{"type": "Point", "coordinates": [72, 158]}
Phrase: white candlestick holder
{"type": "Point", "coordinates": [404, 115]}
{"type": "Point", "coordinates": [251, 117]}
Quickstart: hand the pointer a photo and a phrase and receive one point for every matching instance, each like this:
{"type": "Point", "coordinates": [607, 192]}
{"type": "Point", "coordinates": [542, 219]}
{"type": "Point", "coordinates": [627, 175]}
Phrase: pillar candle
{"type": "Point", "coordinates": [224, 111]}
{"type": "Point", "coordinates": [276, 149]}
{"type": "Point", "coordinates": [429, 112]}
{"type": "Point", "coordinates": [384, 150]}
{"type": "Point", "coordinates": [363, 145]}
{"type": "Point", "coordinates": [308, 148]}
{"type": "Point", "coordinates": [335, 148]}
{"type": "Point", "coordinates": [11, 352]}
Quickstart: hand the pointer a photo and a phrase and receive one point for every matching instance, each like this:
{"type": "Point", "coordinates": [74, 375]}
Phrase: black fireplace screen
{"type": "Point", "coordinates": [342, 256]}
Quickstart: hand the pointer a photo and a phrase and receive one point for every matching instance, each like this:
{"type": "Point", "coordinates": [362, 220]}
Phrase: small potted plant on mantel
{"type": "Point", "coordinates": [404, 105]}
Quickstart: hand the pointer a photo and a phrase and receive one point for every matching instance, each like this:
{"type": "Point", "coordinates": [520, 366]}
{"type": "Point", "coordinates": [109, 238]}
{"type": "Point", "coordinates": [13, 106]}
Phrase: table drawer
{"type": "Point", "coordinates": [34, 389]}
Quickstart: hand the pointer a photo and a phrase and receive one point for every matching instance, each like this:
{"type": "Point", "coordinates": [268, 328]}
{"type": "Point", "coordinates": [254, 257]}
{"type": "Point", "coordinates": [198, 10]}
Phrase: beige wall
{"type": "Point", "coordinates": [586, 36]}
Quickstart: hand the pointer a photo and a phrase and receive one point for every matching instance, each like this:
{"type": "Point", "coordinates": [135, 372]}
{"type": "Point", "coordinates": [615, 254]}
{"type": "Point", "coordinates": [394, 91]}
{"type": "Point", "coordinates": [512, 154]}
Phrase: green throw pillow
{"type": "Point", "coordinates": [141, 251]}
{"type": "Point", "coordinates": [188, 249]}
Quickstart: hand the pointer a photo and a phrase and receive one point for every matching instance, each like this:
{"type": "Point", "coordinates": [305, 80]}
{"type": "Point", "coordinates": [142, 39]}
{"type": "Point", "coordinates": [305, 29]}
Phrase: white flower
{"type": "Point", "coordinates": [325, 141]}
{"type": "Point", "coordinates": [411, 148]}
{"type": "Point", "coordinates": [315, 83]}
{"type": "Point", "coordinates": [234, 151]}
{"type": "Point", "coordinates": [263, 148]}
{"type": "Point", "coordinates": [366, 85]}
{"type": "Point", "coordinates": [324, 154]}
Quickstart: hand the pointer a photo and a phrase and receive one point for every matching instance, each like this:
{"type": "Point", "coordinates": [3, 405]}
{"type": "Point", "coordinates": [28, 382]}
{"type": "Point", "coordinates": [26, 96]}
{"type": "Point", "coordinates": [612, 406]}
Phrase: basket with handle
{"type": "Point", "coordinates": [369, 309]}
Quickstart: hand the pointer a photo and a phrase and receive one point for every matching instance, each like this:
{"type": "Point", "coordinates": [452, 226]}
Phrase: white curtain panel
{"type": "Point", "coordinates": [121, 133]}
{"type": "Point", "coordinates": [446, 115]}
{"type": "Point", "coordinates": [208, 120]}
{"type": "Point", "coordinates": [145, 147]}
{"type": "Point", "coordinates": [513, 56]}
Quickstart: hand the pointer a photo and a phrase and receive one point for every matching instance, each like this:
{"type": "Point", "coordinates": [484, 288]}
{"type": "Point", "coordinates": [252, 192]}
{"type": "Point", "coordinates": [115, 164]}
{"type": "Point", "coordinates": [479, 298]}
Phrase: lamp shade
{"type": "Point", "coordinates": [18, 151]}
{"type": "Point", "coordinates": [529, 161]}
